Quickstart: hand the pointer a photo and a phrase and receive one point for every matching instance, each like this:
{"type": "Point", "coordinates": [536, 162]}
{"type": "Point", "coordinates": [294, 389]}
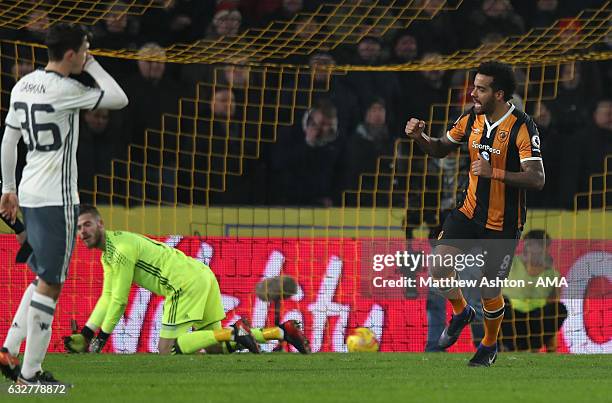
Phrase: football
{"type": "Point", "coordinates": [362, 340]}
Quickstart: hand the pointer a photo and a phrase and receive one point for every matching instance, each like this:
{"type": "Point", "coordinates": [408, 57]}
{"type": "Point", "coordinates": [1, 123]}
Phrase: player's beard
{"type": "Point", "coordinates": [98, 240]}
{"type": "Point", "coordinates": [94, 241]}
{"type": "Point", "coordinates": [486, 108]}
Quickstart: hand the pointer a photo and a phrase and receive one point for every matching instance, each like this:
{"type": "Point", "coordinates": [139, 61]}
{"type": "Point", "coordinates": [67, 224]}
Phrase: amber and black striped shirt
{"type": "Point", "coordinates": [505, 144]}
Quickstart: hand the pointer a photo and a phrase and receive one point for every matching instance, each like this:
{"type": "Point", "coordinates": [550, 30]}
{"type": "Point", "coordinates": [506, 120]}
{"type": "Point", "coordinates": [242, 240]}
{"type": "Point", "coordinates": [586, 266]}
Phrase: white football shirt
{"type": "Point", "coordinates": [45, 108]}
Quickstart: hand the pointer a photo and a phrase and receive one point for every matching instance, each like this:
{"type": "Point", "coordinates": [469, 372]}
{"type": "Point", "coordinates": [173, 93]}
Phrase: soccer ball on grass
{"type": "Point", "coordinates": [362, 340]}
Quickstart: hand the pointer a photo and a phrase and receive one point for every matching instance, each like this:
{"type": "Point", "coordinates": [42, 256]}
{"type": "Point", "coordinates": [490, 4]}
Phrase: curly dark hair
{"type": "Point", "coordinates": [503, 77]}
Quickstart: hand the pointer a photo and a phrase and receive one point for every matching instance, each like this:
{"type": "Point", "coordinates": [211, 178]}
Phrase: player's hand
{"type": "Point", "coordinates": [76, 343]}
{"type": "Point", "coordinates": [89, 60]}
{"type": "Point", "coordinates": [9, 203]}
{"type": "Point", "coordinates": [481, 167]}
{"type": "Point", "coordinates": [21, 237]}
{"type": "Point", "coordinates": [414, 128]}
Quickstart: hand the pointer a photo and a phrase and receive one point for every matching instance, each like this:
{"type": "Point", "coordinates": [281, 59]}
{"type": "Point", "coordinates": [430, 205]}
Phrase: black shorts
{"type": "Point", "coordinates": [498, 246]}
{"type": "Point", "coordinates": [51, 232]}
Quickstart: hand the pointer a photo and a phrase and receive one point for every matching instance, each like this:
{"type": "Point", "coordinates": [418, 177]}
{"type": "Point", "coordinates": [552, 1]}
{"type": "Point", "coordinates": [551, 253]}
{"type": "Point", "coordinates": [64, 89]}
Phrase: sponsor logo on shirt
{"type": "Point", "coordinates": [486, 148]}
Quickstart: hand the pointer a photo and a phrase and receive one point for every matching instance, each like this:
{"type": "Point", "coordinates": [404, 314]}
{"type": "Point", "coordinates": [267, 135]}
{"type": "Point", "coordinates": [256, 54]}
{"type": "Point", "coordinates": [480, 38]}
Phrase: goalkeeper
{"type": "Point", "coordinates": [191, 291]}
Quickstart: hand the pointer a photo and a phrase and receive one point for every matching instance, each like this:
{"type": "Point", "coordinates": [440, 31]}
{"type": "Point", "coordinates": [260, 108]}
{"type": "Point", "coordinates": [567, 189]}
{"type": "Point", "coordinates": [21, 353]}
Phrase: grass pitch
{"type": "Point", "coordinates": [324, 377]}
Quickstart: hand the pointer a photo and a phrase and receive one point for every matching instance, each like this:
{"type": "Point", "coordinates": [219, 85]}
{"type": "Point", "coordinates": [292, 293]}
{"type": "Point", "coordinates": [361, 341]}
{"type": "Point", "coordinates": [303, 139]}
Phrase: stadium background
{"type": "Point", "coordinates": [200, 179]}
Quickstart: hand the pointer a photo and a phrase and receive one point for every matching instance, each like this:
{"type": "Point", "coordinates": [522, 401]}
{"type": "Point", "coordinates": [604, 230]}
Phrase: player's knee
{"type": "Point", "coordinates": [48, 289]}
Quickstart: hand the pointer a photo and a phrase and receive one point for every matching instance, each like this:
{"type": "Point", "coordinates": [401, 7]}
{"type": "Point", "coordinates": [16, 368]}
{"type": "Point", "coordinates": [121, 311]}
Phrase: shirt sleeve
{"type": "Point", "coordinates": [12, 118]}
{"type": "Point", "coordinates": [456, 131]}
{"type": "Point", "coordinates": [77, 96]}
{"type": "Point", "coordinates": [99, 313]}
{"type": "Point", "coordinates": [122, 265]}
{"type": "Point", "coordinates": [528, 142]}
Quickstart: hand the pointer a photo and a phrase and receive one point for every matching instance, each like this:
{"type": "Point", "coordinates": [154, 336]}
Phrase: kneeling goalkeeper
{"type": "Point", "coordinates": [191, 291]}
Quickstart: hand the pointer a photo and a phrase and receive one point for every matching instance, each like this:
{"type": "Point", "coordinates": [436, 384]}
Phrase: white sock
{"type": "Point", "coordinates": [19, 327]}
{"type": "Point", "coordinates": [40, 319]}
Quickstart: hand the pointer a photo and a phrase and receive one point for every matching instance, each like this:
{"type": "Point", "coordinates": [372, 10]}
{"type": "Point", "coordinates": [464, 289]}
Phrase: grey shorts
{"type": "Point", "coordinates": [51, 232]}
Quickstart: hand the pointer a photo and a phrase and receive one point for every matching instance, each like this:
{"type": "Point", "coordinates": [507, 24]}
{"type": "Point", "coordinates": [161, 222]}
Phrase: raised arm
{"type": "Point", "coordinates": [113, 96]}
{"type": "Point", "coordinates": [435, 147]}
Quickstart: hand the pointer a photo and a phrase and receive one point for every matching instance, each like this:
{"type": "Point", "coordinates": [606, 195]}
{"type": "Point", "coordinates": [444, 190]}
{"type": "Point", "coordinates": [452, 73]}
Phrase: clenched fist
{"type": "Point", "coordinates": [481, 167]}
{"type": "Point", "coordinates": [414, 128]}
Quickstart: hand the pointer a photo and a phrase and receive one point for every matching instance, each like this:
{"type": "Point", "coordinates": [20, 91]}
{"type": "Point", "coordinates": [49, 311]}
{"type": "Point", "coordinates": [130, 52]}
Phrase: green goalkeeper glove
{"type": "Point", "coordinates": [79, 342]}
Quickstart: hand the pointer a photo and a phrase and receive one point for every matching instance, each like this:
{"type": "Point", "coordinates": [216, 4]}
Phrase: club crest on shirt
{"type": "Point", "coordinates": [503, 135]}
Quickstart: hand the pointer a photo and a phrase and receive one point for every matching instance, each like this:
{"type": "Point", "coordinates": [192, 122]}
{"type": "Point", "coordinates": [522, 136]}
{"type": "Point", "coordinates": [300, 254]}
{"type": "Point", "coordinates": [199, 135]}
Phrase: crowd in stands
{"type": "Point", "coordinates": [319, 151]}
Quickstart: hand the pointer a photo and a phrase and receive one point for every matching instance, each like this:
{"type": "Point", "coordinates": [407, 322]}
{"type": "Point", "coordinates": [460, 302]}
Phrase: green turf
{"type": "Point", "coordinates": [280, 378]}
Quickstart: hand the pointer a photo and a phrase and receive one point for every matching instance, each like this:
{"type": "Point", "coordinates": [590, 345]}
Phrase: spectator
{"type": "Point", "coordinates": [176, 21]}
{"type": "Point", "coordinates": [257, 113]}
{"type": "Point", "coordinates": [219, 142]}
{"type": "Point", "coordinates": [218, 155]}
{"type": "Point", "coordinates": [545, 14]}
{"type": "Point", "coordinates": [116, 30]}
{"type": "Point", "coordinates": [304, 162]}
{"type": "Point", "coordinates": [305, 32]}
{"type": "Point", "coordinates": [369, 51]}
{"type": "Point", "coordinates": [368, 84]}
{"type": "Point", "coordinates": [551, 146]}
{"type": "Point", "coordinates": [534, 314]}
{"type": "Point", "coordinates": [147, 106]}
{"type": "Point", "coordinates": [405, 48]}
{"type": "Point", "coordinates": [287, 10]}
{"type": "Point", "coordinates": [432, 87]}
{"type": "Point", "coordinates": [321, 82]}
{"type": "Point", "coordinates": [36, 28]}
{"type": "Point", "coordinates": [605, 67]}
{"type": "Point", "coordinates": [21, 68]}
{"type": "Point", "coordinates": [144, 89]}
{"type": "Point", "coordinates": [257, 10]}
{"type": "Point", "coordinates": [494, 16]}
{"type": "Point", "coordinates": [370, 140]}
{"type": "Point", "coordinates": [226, 21]}
{"type": "Point", "coordinates": [599, 133]}
{"type": "Point", "coordinates": [577, 83]}
{"type": "Point", "coordinates": [578, 88]}
{"type": "Point", "coordinates": [102, 137]}
{"type": "Point", "coordinates": [435, 30]}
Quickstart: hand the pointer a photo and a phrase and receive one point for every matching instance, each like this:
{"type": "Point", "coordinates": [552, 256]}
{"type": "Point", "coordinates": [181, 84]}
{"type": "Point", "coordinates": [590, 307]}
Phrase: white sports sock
{"type": "Point", "coordinates": [40, 319]}
{"type": "Point", "coordinates": [19, 327]}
